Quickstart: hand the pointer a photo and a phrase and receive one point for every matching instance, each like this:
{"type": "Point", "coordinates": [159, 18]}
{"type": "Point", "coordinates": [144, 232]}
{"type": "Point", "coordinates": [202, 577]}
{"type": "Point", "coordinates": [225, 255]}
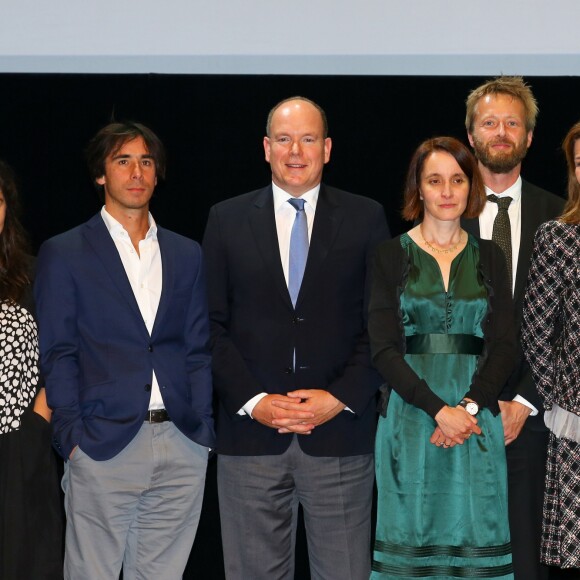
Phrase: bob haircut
{"type": "Point", "coordinates": [412, 203]}
{"type": "Point", "coordinates": [571, 214]}
{"type": "Point", "coordinates": [112, 137]}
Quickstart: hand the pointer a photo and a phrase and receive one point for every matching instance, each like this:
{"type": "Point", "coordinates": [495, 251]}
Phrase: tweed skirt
{"type": "Point", "coordinates": [561, 523]}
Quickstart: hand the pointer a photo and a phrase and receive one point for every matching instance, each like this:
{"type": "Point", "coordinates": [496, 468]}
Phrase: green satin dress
{"type": "Point", "coordinates": [442, 513]}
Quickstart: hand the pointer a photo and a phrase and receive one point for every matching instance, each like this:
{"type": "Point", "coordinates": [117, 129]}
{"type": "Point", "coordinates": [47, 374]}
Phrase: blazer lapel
{"type": "Point", "coordinates": [168, 269]}
{"type": "Point", "coordinates": [100, 240]}
{"type": "Point", "coordinates": [529, 224]}
{"type": "Point", "coordinates": [263, 226]}
{"type": "Point", "coordinates": [327, 220]}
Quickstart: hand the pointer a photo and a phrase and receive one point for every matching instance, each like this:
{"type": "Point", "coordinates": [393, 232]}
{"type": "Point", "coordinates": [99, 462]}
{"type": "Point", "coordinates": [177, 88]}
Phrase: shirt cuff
{"type": "Point", "coordinates": [520, 399]}
{"type": "Point", "coordinates": [248, 408]}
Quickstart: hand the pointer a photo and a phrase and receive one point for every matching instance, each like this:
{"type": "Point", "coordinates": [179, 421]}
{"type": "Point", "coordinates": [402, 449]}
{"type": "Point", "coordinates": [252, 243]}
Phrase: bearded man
{"type": "Point", "coordinates": [500, 120]}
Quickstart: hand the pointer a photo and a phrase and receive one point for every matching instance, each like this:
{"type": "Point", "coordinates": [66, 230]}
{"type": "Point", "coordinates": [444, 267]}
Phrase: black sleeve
{"type": "Point", "coordinates": [386, 331]}
{"type": "Point", "coordinates": [498, 359]}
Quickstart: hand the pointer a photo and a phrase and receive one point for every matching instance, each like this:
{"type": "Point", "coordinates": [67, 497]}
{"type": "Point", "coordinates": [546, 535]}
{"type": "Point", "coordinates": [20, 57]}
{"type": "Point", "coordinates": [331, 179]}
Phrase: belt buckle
{"type": "Point", "coordinates": [157, 416]}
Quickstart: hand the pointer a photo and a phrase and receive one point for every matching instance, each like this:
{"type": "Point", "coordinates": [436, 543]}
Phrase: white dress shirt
{"type": "Point", "coordinates": [144, 272]}
{"type": "Point", "coordinates": [486, 219]}
{"type": "Point", "coordinates": [285, 215]}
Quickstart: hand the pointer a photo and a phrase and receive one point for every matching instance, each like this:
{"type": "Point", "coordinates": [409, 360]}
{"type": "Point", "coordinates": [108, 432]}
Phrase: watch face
{"type": "Point", "coordinates": [472, 408]}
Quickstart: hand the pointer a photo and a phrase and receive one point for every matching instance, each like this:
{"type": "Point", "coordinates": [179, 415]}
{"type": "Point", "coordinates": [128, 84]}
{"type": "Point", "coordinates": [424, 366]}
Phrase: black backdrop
{"type": "Point", "coordinates": [213, 126]}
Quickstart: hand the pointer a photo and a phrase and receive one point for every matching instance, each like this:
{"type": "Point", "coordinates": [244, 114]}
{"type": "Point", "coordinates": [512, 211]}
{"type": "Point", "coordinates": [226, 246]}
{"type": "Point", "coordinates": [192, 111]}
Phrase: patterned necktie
{"type": "Point", "coordinates": [298, 249]}
{"type": "Point", "coordinates": [502, 231]}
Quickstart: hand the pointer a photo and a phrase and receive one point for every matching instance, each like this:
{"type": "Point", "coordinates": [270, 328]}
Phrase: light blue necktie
{"type": "Point", "coordinates": [298, 249]}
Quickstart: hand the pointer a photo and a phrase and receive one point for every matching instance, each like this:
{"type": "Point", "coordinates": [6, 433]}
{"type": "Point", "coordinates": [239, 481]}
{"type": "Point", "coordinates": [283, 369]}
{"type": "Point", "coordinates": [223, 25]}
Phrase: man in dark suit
{"type": "Point", "coordinates": [291, 360]}
{"type": "Point", "coordinates": [500, 120]}
{"type": "Point", "coordinates": [124, 333]}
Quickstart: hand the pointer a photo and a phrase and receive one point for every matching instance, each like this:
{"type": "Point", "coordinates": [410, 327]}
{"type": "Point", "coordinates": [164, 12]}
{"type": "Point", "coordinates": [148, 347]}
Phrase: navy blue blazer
{"type": "Point", "coordinates": [97, 356]}
{"type": "Point", "coordinates": [255, 329]}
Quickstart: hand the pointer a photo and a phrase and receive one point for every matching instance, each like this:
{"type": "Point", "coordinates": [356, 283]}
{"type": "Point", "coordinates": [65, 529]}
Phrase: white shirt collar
{"type": "Point", "coordinates": [116, 229]}
{"type": "Point", "coordinates": [281, 197]}
{"type": "Point", "coordinates": [514, 191]}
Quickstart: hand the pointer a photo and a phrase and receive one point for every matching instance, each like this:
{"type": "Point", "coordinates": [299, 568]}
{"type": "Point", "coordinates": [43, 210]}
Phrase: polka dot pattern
{"type": "Point", "coordinates": [502, 231]}
{"type": "Point", "coordinates": [18, 364]}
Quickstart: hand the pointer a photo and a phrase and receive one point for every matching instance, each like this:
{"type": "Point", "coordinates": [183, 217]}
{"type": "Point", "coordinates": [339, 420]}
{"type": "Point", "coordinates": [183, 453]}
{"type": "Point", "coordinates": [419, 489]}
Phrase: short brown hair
{"type": "Point", "coordinates": [513, 86]}
{"type": "Point", "coordinates": [298, 98]}
{"type": "Point", "coordinates": [412, 203]}
{"type": "Point", "coordinates": [112, 137]}
{"type": "Point", "coordinates": [571, 214]}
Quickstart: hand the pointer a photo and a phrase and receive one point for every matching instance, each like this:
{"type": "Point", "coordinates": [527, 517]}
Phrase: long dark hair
{"type": "Point", "coordinates": [14, 263]}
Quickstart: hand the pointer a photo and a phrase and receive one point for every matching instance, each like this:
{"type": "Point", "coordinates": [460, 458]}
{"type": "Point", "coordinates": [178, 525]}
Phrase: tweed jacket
{"type": "Point", "coordinates": [551, 316]}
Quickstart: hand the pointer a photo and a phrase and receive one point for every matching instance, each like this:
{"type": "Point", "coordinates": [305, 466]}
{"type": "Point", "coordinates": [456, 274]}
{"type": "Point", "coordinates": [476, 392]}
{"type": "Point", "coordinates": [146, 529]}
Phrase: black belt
{"type": "Point", "coordinates": [157, 416]}
{"type": "Point", "coordinates": [444, 344]}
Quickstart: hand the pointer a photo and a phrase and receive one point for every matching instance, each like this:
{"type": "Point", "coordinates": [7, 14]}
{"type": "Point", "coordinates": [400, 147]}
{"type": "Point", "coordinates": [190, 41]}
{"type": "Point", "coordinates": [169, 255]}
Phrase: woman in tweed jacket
{"type": "Point", "coordinates": [551, 339]}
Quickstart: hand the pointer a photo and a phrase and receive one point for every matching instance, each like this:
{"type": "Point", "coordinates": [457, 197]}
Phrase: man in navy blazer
{"type": "Point", "coordinates": [296, 387]}
{"type": "Point", "coordinates": [124, 335]}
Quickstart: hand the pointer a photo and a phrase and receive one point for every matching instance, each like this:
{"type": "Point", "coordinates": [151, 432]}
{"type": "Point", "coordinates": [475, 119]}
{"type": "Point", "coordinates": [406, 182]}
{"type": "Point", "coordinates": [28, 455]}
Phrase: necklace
{"type": "Point", "coordinates": [440, 250]}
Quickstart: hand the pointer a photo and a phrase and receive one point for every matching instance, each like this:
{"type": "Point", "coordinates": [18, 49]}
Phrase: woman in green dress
{"type": "Point", "coordinates": [441, 330]}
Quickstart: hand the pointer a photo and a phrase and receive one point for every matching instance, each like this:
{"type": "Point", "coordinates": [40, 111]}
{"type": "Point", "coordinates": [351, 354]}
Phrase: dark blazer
{"type": "Point", "coordinates": [96, 353]}
{"type": "Point", "coordinates": [255, 329]}
{"type": "Point", "coordinates": [387, 335]}
{"type": "Point", "coordinates": [538, 206]}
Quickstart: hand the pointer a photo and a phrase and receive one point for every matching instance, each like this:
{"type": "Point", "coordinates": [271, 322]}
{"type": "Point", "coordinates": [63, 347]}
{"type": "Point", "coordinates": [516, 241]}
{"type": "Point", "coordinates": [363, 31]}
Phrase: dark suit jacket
{"type": "Point", "coordinates": [255, 328]}
{"type": "Point", "coordinates": [96, 353]}
{"type": "Point", "coordinates": [538, 206]}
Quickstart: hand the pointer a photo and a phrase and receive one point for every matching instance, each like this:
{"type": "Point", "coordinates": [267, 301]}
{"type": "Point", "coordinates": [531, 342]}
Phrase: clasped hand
{"type": "Point", "coordinates": [454, 426]}
{"type": "Point", "coordinates": [297, 412]}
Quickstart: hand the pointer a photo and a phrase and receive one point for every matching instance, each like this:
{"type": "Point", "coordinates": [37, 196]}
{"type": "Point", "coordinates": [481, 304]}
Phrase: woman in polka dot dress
{"type": "Point", "coordinates": [30, 506]}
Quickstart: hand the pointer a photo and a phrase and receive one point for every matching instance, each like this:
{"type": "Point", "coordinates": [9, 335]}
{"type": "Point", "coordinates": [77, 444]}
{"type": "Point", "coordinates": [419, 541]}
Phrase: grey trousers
{"type": "Point", "coordinates": [138, 510]}
{"type": "Point", "coordinates": [259, 497]}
